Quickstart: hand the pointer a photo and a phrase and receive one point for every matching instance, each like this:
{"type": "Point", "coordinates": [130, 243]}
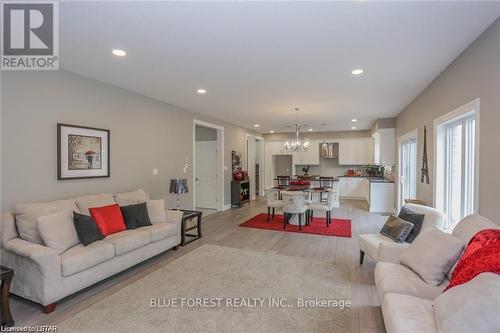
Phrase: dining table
{"type": "Point", "coordinates": [300, 188]}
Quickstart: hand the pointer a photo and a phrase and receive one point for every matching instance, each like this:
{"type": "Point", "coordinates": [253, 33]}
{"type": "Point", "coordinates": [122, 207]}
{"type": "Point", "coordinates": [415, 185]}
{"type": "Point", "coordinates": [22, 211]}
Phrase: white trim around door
{"type": "Point", "coordinates": [405, 138]}
{"type": "Point", "coordinates": [220, 162]}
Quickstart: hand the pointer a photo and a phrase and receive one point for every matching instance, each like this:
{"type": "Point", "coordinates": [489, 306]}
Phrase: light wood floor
{"type": "Point", "coordinates": [222, 229]}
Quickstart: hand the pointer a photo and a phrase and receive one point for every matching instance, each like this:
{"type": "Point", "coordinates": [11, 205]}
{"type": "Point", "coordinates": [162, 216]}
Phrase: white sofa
{"type": "Point", "coordinates": [44, 276]}
{"type": "Point", "coordinates": [370, 244]}
{"type": "Point", "coordinates": [409, 303]}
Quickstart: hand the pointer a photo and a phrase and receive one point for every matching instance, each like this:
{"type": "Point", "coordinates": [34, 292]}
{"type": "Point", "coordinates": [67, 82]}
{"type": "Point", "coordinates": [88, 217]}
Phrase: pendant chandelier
{"type": "Point", "coordinates": [297, 144]}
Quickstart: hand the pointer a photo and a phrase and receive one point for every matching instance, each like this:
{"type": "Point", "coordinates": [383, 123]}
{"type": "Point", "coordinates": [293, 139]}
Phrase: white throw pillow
{"type": "Point", "coordinates": [470, 307]}
{"type": "Point", "coordinates": [131, 198]}
{"type": "Point", "coordinates": [58, 231]}
{"type": "Point", "coordinates": [156, 211]}
{"type": "Point", "coordinates": [432, 254]}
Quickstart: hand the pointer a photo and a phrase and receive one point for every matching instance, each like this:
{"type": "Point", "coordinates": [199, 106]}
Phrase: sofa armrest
{"type": "Point", "coordinates": [174, 216]}
{"type": "Point", "coordinates": [37, 270]}
{"type": "Point", "coordinates": [391, 251]}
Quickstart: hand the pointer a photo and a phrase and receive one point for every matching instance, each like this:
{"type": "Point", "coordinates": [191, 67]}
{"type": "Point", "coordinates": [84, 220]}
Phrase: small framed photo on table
{"type": "Point", "coordinates": [82, 152]}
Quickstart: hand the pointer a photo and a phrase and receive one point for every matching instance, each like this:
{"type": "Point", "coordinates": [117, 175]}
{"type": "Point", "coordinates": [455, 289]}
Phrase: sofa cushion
{"type": "Point", "coordinates": [470, 307]}
{"type": "Point", "coordinates": [58, 231]}
{"type": "Point", "coordinates": [135, 215]}
{"type": "Point", "coordinates": [79, 257]}
{"type": "Point", "coordinates": [156, 211]}
{"type": "Point", "coordinates": [94, 200]}
{"type": "Point", "coordinates": [86, 229]}
{"type": "Point", "coordinates": [470, 225]}
{"type": "Point", "coordinates": [404, 313]}
{"type": "Point", "coordinates": [396, 278]}
{"type": "Point", "coordinates": [414, 218]}
{"type": "Point", "coordinates": [128, 240]}
{"type": "Point", "coordinates": [160, 231]}
{"type": "Point", "coordinates": [433, 218]}
{"type": "Point", "coordinates": [131, 198]}
{"type": "Point", "coordinates": [432, 254]}
{"type": "Point", "coordinates": [397, 229]}
{"type": "Point", "coordinates": [109, 219]}
{"type": "Point", "coordinates": [26, 215]}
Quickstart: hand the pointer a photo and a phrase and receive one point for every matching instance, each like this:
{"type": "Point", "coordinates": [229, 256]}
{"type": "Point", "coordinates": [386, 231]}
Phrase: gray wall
{"type": "Point", "coordinates": [283, 166]}
{"type": "Point", "coordinates": [474, 74]}
{"type": "Point", "coordinates": [145, 134]}
{"type": "Point", "coordinates": [205, 134]}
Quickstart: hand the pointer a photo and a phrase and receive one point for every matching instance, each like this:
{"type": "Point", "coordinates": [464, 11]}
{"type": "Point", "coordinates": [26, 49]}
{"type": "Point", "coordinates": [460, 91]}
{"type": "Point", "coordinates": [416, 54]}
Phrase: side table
{"type": "Point", "coordinates": [6, 277]}
{"type": "Point", "coordinates": [187, 237]}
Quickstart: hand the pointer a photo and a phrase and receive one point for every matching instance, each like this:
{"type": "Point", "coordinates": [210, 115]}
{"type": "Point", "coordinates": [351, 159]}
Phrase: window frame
{"type": "Point", "coordinates": [407, 137]}
{"type": "Point", "coordinates": [441, 124]}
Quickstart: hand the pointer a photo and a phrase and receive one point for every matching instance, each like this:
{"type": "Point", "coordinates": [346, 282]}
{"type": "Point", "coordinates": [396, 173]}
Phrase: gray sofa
{"type": "Point", "coordinates": [44, 276]}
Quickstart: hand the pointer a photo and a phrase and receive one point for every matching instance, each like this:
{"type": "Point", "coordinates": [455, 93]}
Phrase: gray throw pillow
{"type": "Point", "coordinates": [415, 218]}
{"type": "Point", "coordinates": [396, 229]}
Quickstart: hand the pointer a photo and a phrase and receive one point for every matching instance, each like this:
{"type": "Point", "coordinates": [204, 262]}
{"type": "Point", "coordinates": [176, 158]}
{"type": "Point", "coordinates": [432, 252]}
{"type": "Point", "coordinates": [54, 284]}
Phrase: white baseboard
{"type": "Point", "coordinates": [228, 206]}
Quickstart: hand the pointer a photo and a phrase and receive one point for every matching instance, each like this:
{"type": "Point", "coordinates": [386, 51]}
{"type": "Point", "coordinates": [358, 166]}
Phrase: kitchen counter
{"type": "Point", "coordinates": [370, 179]}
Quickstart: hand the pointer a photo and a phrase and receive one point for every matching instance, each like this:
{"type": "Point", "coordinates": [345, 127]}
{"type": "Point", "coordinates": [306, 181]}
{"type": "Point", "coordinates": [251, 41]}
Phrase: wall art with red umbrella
{"type": "Point", "coordinates": [82, 152]}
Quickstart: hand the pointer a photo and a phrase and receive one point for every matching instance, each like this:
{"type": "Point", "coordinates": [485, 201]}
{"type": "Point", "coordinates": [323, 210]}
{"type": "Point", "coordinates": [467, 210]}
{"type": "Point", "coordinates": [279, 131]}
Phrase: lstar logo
{"type": "Point", "coordinates": [30, 38]}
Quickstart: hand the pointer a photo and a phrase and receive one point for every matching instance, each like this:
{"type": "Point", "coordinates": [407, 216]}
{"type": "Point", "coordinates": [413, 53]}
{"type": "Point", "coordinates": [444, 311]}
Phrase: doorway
{"type": "Point", "coordinates": [208, 180]}
{"type": "Point", "coordinates": [407, 147]}
{"type": "Point", "coordinates": [254, 164]}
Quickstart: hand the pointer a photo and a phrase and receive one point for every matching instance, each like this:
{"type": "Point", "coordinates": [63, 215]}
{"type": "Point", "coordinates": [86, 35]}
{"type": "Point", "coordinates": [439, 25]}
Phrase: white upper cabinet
{"type": "Point", "coordinates": [355, 152]}
{"type": "Point", "coordinates": [384, 146]}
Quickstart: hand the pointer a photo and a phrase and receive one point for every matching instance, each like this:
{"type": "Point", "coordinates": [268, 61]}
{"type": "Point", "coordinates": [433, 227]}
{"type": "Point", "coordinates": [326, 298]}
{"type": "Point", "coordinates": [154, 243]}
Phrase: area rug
{"type": "Point", "coordinates": [338, 227]}
{"type": "Point", "coordinates": [240, 278]}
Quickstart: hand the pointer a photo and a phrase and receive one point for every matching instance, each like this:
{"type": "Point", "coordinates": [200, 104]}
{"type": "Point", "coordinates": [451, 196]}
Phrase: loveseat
{"type": "Point", "coordinates": [409, 304]}
{"type": "Point", "coordinates": [44, 276]}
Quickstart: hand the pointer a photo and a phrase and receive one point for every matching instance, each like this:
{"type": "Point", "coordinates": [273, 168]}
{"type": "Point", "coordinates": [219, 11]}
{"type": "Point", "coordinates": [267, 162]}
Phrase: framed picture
{"type": "Point", "coordinates": [82, 152]}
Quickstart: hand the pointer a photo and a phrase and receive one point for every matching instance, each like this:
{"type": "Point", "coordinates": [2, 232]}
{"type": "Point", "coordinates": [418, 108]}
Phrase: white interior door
{"type": "Point", "coordinates": [206, 174]}
{"type": "Point", "coordinates": [407, 170]}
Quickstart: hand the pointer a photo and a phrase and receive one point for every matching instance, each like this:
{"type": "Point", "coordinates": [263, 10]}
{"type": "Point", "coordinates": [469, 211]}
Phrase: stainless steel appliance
{"type": "Point", "coordinates": [329, 150]}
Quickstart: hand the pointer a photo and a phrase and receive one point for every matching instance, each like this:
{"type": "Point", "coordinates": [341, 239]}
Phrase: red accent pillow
{"type": "Point", "coordinates": [482, 254]}
{"type": "Point", "coordinates": [109, 219]}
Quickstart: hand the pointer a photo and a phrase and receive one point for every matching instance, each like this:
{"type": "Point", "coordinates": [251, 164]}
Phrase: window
{"type": "Point", "coordinates": [408, 167]}
{"type": "Point", "coordinates": [456, 163]}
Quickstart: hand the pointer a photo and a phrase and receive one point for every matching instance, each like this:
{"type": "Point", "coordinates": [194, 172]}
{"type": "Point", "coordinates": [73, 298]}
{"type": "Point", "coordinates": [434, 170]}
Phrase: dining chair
{"type": "Point", "coordinates": [273, 201]}
{"type": "Point", "coordinates": [294, 202]}
{"type": "Point", "coordinates": [326, 207]}
{"type": "Point", "coordinates": [325, 182]}
{"type": "Point", "coordinates": [283, 180]}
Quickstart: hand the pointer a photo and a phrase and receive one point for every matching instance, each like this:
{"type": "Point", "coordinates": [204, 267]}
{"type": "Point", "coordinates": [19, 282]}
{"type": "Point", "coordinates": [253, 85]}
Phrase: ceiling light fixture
{"type": "Point", "coordinates": [354, 127]}
{"type": "Point", "coordinates": [357, 71]}
{"type": "Point", "coordinates": [271, 131]}
{"type": "Point", "coordinates": [310, 130]}
{"type": "Point", "coordinates": [201, 91]}
{"type": "Point", "coordinates": [119, 53]}
{"type": "Point", "coordinates": [297, 144]}
{"type": "Point", "coordinates": [256, 125]}
{"type": "Point", "coordinates": [354, 120]}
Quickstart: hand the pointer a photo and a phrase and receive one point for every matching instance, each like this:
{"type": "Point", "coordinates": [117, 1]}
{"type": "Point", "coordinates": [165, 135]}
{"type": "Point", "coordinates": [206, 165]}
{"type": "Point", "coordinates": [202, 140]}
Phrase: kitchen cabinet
{"type": "Point", "coordinates": [381, 198]}
{"type": "Point", "coordinates": [308, 157]}
{"type": "Point", "coordinates": [355, 187]}
{"type": "Point", "coordinates": [384, 146]}
{"type": "Point", "coordinates": [355, 152]}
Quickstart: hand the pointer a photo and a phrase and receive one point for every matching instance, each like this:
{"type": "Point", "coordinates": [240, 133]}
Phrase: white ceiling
{"type": "Point", "coordinates": [258, 60]}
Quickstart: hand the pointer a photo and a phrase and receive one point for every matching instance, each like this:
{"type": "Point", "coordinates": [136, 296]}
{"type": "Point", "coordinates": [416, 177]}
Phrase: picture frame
{"type": "Point", "coordinates": [82, 152]}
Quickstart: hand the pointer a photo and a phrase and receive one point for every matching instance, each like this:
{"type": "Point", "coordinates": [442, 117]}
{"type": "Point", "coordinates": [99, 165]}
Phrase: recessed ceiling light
{"type": "Point", "coordinates": [354, 127]}
{"type": "Point", "coordinates": [271, 131]}
{"type": "Point", "coordinates": [201, 91]}
{"type": "Point", "coordinates": [119, 53]}
{"type": "Point", "coordinates": [256, 125]}
{"type": "Point", "coordinates": [354, 120]}
{"type": "Point", "coordinates": [357, 71]}
{"type": "Point", "coordinates": [310, 130]}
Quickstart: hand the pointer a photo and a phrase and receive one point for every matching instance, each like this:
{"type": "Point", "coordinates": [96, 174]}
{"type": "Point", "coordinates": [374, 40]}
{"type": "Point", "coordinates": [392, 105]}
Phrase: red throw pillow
{"type": "Point", "coordinates": [482, 254]}
{"type": "Point", "coordinates": [109, 219]}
